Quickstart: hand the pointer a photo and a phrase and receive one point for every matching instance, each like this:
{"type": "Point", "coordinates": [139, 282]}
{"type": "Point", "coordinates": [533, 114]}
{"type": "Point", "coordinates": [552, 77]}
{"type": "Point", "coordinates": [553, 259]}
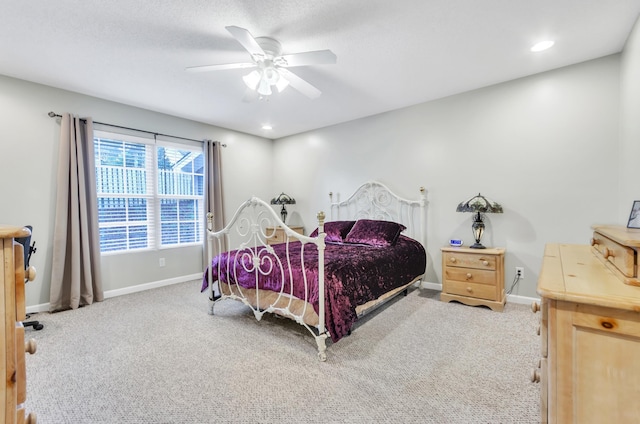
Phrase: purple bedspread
{"type": "Point", "coordinates": [354, 275]}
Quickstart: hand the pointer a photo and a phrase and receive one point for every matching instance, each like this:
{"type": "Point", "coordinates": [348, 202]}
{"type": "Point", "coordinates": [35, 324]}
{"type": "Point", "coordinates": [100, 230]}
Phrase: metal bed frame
{"type": "Point", "coordinates": [247, 231]}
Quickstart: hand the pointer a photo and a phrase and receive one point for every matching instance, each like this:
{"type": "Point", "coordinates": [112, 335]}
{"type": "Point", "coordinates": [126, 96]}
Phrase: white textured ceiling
{"type": "Point", "coordinates": [391, 54]}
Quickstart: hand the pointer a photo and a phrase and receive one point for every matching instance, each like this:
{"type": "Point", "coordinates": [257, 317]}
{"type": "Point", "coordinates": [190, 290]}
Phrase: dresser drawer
{"type": "Point", "coordinates": [480, 291]}
{"type": "Point", "coordinates": [622, 257]}
{"type": "Point", "coordinates": [470, 275]}
{"type": "Point", "coordinates": [469, 260]}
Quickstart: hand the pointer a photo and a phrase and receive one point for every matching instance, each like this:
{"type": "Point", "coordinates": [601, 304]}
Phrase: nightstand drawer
{"type": "Point", "coordinates": [277, 235]}
{"type": "Point", "coordinates": [481, 291]}
{"type": "Point", "coordinates": [470, 275]}
{"type": "Point", "coordinates": [468, 260]}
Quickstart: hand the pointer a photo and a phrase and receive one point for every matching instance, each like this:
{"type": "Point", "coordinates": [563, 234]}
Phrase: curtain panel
{"type": "Point", "coordinates": [213, 191]}
{"type": "Point", "coordinates": [75, 272]}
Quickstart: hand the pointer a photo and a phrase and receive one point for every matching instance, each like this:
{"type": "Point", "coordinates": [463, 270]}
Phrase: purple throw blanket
{"type": "Point", "coordinates": [354, 274]}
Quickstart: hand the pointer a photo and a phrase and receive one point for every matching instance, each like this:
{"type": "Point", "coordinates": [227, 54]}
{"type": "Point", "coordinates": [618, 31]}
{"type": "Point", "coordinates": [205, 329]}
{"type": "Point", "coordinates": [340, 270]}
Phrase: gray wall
{"type": "Point", "coordinates": [558, 150]}
{"type": "Point", "coordinates": [545, 147]}
{"type": "Point", "coordinates": [29, 142]}
{"type": "Point", "coordinates": [630, 123]}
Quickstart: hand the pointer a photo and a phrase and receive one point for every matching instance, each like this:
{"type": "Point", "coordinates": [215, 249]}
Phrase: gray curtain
{"type": "Point", "coordinates": [75, 271]}
{"type": "Point", "coordinates": [213, 191]}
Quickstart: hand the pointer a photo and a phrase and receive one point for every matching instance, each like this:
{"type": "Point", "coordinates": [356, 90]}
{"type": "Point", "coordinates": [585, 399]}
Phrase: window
{"type": "Point", "coordinates": [150, 193]}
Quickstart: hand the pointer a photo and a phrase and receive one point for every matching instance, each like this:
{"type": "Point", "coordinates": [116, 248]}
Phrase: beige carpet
{"type": "Point", "coordinates": [157, 357]}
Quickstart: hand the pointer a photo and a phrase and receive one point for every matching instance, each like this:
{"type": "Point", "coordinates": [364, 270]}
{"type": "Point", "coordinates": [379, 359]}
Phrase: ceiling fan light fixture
{"type": "Point", "coordinates": [264, 88]}
{"type": "Point", "coordinates": [271, 75]}
{"type": "Point", "coordinates": [252, 79]}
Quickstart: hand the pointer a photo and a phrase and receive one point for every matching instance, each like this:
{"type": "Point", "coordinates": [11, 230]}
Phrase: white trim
{"type": "Point", "coordinates": [523, 300]}
{"type": "Point", "coordinates": [44, 307]}
{"type": "Point", "coordinates": [512, 298]}
{"type": "Point", "coordinates": [431, 286]}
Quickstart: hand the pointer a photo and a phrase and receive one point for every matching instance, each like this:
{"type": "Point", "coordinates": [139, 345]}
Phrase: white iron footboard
{"type": "Point", "coordinates": [247, 230]}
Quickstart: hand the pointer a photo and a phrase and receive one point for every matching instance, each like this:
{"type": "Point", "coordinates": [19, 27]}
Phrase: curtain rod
{"type": "Point", "coordinates": [55, 115]}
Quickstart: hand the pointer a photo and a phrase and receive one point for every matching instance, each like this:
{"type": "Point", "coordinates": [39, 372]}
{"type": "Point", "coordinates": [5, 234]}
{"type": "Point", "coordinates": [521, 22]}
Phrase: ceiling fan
{"type": "Point", "coordinates": [271, 65]}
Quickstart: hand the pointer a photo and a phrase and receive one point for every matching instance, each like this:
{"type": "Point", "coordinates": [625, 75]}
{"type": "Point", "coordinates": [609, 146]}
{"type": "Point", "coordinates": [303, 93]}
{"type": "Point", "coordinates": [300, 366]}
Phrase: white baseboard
{"type": "Point", "coordinates": [44, 307]}
{"type": "Point", "coordinates": [512, 298]}
{"type": "Point", "coordinates": [431, 286]}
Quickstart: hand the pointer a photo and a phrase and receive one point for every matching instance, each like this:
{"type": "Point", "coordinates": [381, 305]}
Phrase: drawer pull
{"type": "Point", "coordinates": [30, 346]}
{"type": "Point", "coordinates": [535, 307]}
{"type": "Point", "coordinates": [535, 376]}
{"type": "Point", "coordinates": [469, 276]}
{"type": "Point", "coordinates": [594, 241]}
{"type": "Point", "coordinates": [607, 253]}
{"type": "Point", "coordinates": [453, 260]}
{"type": "Point", "coordinates": [607, 324]}
{"type": "Point", "coordinates": [485, 262]}
{"type": "Point", "coordinates": [31, 273]}
{"type": "Point", "coordinates": [469, 289]}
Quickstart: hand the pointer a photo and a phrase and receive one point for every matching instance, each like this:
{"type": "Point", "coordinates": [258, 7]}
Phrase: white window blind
{"type": "Point", "coordinates": [150, 193]}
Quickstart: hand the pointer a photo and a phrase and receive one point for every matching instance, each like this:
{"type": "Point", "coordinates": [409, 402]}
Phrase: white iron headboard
{"type": "Point", "coordinates": [374, 200]}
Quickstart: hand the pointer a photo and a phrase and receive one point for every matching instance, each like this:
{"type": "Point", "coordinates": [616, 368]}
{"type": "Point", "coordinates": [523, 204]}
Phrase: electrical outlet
{"type": "Point", "coordinates": [161, 261]}
{"type": "Point", "coordinates": [520, 272]}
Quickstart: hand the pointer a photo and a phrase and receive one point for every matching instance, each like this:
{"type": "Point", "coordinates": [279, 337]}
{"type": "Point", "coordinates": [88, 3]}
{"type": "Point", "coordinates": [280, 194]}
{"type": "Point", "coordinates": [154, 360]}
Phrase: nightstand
{"type": "Point", "coordinates": [473, 276]}
{"type": "Point", "coordinates": [277, 235]}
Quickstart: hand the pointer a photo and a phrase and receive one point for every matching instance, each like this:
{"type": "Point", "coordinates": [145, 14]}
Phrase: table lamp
{"type": "Point", "coordinates": [283, 199]}
{"type": "Point", "coordinates": [478, 205]}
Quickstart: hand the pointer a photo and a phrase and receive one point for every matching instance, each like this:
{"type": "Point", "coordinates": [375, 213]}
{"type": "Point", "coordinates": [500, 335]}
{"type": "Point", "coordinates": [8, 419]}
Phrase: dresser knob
{"type": "Point", "coordinates": [469, 289]}
{"type": "Point", "coordinates": [535, 307]}
{"type": "Point", "coordinates": [30, 274]}
{"type": "Point", "coordinates": [453, 260]}
{"type": "Point", "coordinates": [31, 418]}
{"type": "Point", "coordinates": [485, 263]}
{"type": "Point", "coordinates": [469, 276]}
{"type": "Point", "coordinates": [535, 376]}
{"type": "Point", "coordinates": [607, 253]}
{"type": "Point", "coordinates": [593, 241]}
{"type": "Point", "coordinates": [30, 346]}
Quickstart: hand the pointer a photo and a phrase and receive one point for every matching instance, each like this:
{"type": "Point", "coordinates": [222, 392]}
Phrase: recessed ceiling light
{"type": "Point", "coordinates": [267, 127]}
{"type": "Point", "coordinates": [542, 45]}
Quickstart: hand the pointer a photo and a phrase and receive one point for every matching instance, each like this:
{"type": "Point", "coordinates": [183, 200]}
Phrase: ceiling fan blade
{"type": "Point", "coordinates": [245, 38]}
{"type": "Point", "coordinates": [299, 84]}
{"type": "Point", "coordinates": [208, 68]}
{"type": "Point", "coordinates": [318, 57]}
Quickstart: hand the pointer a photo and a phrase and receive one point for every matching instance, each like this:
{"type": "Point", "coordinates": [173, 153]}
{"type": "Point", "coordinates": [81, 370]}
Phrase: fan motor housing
{"type": "Point", "coordinates": [271, 47]}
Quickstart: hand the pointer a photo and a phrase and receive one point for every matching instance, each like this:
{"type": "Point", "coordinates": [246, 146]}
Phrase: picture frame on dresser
{"type": "Point", "coordinates": [634, 215]}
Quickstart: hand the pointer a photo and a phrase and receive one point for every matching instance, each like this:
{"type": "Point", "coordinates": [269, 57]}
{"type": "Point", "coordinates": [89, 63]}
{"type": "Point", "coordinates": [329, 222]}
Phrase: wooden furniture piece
{"type": "Point", "coordinates": [590, 338]}
{"type": "Point", "coordinates": [12, 306]}
{"type": "Point", "coordinates": [617, 247]}
{"type": "Point", "coordinates": [279, 235]}
{"type": "Point", "coordinates": [473, 276]}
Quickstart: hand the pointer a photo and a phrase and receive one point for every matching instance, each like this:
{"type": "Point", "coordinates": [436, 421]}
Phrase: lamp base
{"type": "Point", "coordinates": [477, 246]}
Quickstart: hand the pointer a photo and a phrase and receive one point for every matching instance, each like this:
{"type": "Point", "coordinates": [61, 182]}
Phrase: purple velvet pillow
{"type": "Point", "coordinates": [375, 233]}
{"type": "Point", "coordinates": [336, 231]}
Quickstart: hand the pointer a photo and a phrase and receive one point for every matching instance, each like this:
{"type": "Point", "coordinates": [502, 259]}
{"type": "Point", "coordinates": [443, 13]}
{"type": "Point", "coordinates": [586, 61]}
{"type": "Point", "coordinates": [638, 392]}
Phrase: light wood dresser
{"type": "Point", "coordinates": [473, 276]}
{"type": "Point", "coordinates": [590, 331]}
{"type": "Point", "coordinates": [14, 391]}
{"type": "Point", "coordinates": [278, 234]}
